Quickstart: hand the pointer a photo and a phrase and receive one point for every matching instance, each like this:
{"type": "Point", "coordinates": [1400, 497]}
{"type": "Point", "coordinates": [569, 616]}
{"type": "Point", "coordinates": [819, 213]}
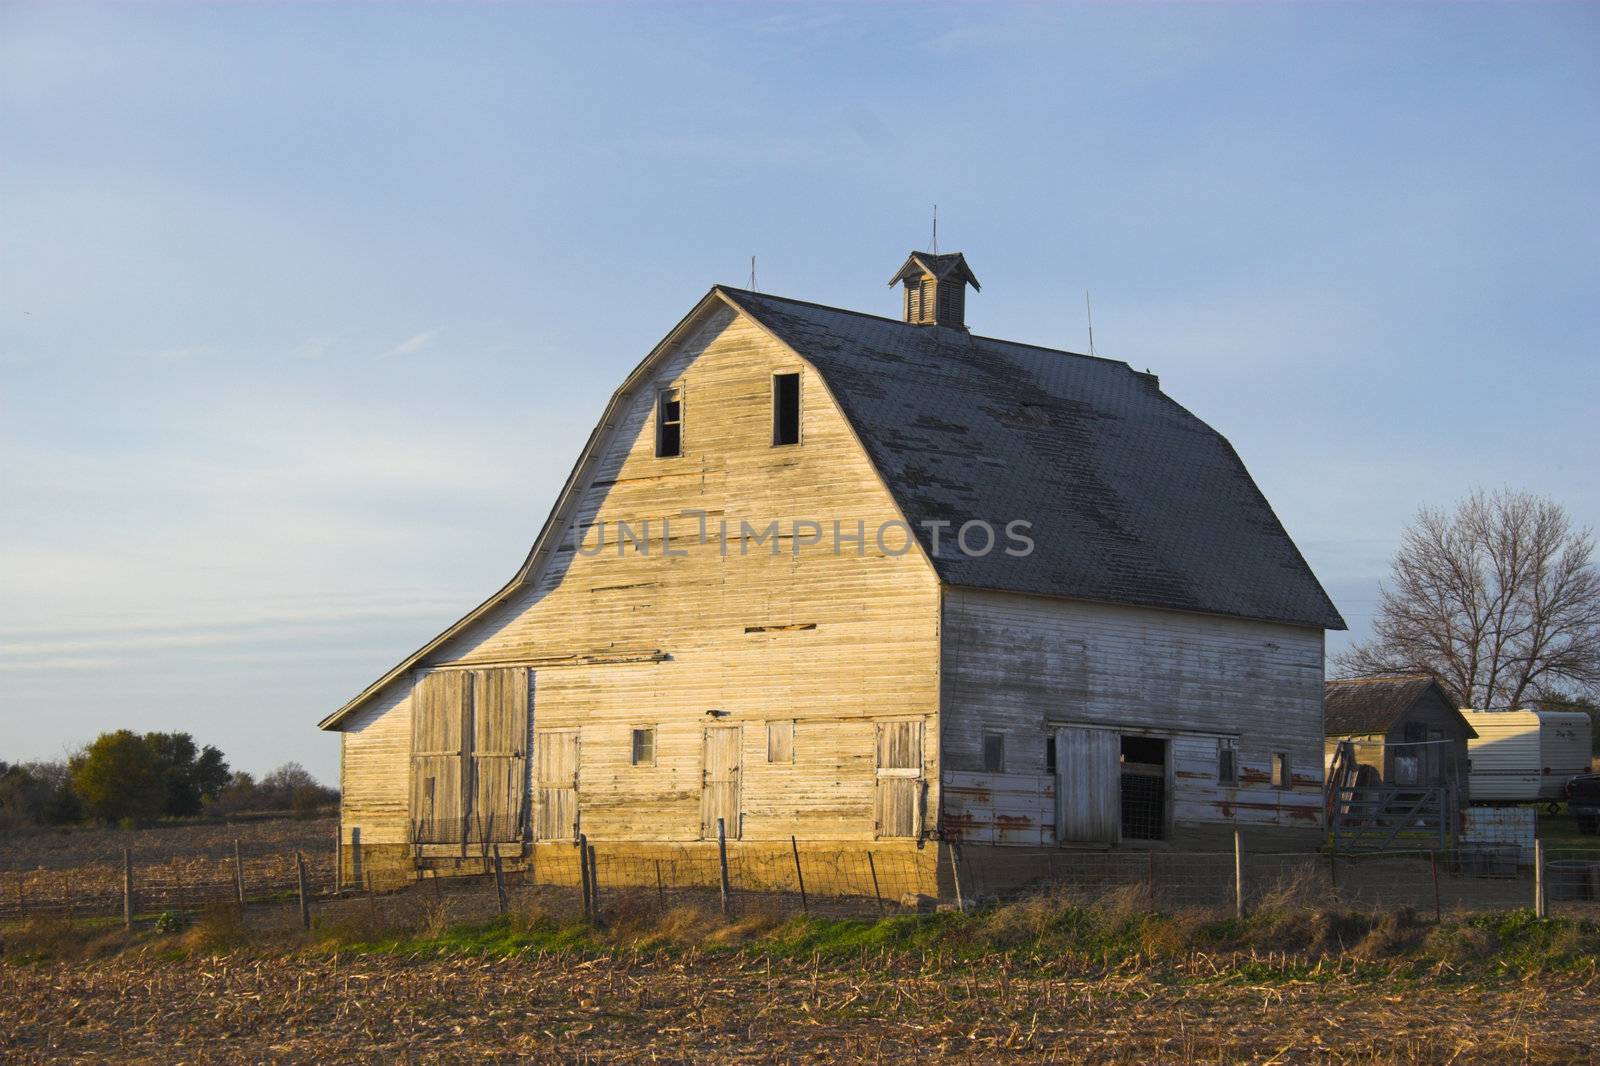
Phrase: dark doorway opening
{"type": "Point", "coordinates": [1144, 788]}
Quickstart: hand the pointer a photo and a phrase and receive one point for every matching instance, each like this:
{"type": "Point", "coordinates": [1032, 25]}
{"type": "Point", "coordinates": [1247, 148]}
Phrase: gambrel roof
{"type": "Point", "coordinates": [1133, 500]}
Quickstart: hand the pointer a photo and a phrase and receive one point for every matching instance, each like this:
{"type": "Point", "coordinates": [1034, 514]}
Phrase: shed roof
{"type": "Point", "coordinates": [1132, 499]}
{"type": "Point", "coordinates": [1364, 705]}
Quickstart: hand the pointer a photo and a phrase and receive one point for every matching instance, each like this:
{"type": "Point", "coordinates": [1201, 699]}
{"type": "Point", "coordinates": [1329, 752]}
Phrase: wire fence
{"type": "Point", "coordinates": [837, 879]}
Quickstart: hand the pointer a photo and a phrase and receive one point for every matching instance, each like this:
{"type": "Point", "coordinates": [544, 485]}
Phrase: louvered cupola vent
{"type": "Point", "coordinates": [936, 288]}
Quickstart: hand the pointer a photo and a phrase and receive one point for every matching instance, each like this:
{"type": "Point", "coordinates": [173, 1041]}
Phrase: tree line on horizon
{"type": "Point", "coordinates": [127, 778]}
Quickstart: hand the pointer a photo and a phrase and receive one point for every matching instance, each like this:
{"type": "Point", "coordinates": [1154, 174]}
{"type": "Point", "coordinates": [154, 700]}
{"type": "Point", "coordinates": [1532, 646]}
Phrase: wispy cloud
{"type": "Point", "coordinates": [411, 345]}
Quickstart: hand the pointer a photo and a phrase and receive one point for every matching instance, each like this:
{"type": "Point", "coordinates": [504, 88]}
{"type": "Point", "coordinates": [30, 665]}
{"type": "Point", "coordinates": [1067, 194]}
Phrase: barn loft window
{"type": "Point", "coordinates": [785, 409]}
{"type": "Point", "coordinates": [1280, 770]}
{"type": "Point", "coordinates": [644, 746]}
{"type": "Point", "coordinates": [994, 753]}
{"type": "Point", "coordinates": [1227, 762]}
{"type": "Point", "coordinates": [669, 423]}
{"type": "Point", "coordinates": [780, 741]}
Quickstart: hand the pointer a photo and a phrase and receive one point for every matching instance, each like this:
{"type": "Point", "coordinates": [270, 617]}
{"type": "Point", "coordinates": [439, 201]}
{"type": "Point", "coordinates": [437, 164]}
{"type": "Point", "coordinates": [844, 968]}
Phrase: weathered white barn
{"type": "Point", "coordinates": [866, 582]}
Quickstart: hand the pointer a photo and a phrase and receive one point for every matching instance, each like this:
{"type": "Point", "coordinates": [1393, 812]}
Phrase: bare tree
{"type": "Point", "coordinates": [1499, 600]}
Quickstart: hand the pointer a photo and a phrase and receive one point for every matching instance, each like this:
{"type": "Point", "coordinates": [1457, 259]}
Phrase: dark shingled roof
{"type": "Point", "coordinates": [1133, 499]}
{"type": "Point", "coordinates": [1364, 705]}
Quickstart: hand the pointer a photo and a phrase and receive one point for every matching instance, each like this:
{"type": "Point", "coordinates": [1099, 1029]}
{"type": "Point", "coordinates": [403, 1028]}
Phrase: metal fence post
{"type": "Point", "coordinates": [1539, 906]}
{"type": "Point", "coordinates": [305, 895]}
{"type": "Point", "coordinates": [499, 880]}
{"type": "Point", "coordinates": [583, 877]}
{"type": "Point", "coordinates": [1238, 874]}
{"type": "Point", "coordinates": [955, 876]}
{"type": "Point", "coordinates": [661, 888]}
{"type": "Point", "coordinates": [805, 904]}
{"type": "Point", "coordinates": [877, 895]}
{"type": "Point", "coordinates": [1433, 863]}
{"type": "Point", "coordinates": [127, 889]}
{"type": "Point", "coordinates": [722, 858]}
{"type": "Point", "coordinates": [238, 875]}
{"type": "Point", "coordinates": [594, 882]}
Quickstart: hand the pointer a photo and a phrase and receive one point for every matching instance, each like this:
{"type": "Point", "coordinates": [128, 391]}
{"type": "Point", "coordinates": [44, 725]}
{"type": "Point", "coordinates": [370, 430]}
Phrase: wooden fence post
{"type": "Point", "coordinates": [238, 875]}
{"type": "Point", "coordinates": [805, 904]}
{"type": "Point", "coordinates": [877, 895]}
{"type": "Point", "coordinates": [1238, 874]}
{"type": "Point", "coordinates": [583, 878]}
{"type": "Point", "coordinates": [722, 859]}
{"type": "Point", "coordinates": [305, 898]}
{"type": "Point", "coordinates": [661, 889]}
{"type": "Point", "coordinates": [1538, 879]}
{"type": "Point", "coordinates": [127, 889]}
{"type": "Point", "coordinates": [1150, 878]}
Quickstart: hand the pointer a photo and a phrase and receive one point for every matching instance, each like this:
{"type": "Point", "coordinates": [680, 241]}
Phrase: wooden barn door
{"type": "Point", "coordinates": [1088, 784]}
{"type": "Point", "coordinates": [897, 804]}
{"type": "Point", "coordinates": [439, 723]}
{"type": "Point", "coordinates": [556, 784]}
{"type": "Point", "coordinates": [499, 763]}
{"type": "Point", "coordinates": [719, 792]}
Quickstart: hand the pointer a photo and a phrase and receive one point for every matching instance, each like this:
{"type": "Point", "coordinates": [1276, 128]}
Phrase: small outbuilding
{"type": "Point", "coordinates": [1405, 730]}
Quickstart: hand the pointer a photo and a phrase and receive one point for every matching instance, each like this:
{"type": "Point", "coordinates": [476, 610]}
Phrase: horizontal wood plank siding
{"type": "Point", "coordinates": [832, 642]}
{"type": "Point", "coordinates": [1025, 665]}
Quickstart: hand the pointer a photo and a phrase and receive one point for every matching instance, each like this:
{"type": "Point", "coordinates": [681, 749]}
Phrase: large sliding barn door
{"type": "Point", "coordinates": [499, 749]}
{"type": "Point", "coordinates": [719, 792]}
{"type": "Point", "coordinates": [1088, 784]}
{"type": "Point", "coordinates": [469, 733]}
{"type": "Point", "coordinates": [897, 803]}
{"type": "Point", "coordinates": [555, 772]}
{"type": "Point", "coordinates": [439, 724]}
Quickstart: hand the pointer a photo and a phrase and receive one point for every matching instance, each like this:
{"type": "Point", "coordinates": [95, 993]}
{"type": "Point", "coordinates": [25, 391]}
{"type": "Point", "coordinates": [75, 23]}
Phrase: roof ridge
{"type": "Point", "coordinates": [1377, 678]}
{"type": "Point", "coordinates": [899, 322]}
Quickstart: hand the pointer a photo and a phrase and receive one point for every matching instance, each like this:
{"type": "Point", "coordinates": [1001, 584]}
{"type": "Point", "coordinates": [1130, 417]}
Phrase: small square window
{"type": "Point", "coordinates": [1280, 770]}
{"type": "Point", "coordinates": [994, 753]}
{"type": "Point", "coordinates": [644, 746]}
{"type": "Point", "coordinates": [780, 741]}
{"type": "Point", "coordinates": [785, 409]}
{"type": "Point", "coordinates": [669, 423]}
{"type": "Point", "coordinates": [1227, 762]}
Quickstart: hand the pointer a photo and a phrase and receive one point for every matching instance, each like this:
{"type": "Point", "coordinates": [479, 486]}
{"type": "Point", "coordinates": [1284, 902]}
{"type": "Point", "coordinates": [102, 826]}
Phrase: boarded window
{"type": "Point", "coordinates": [1407, 770]}
{"type": "Point", "coordinates": [440, 713]}
{"type": "Point", "coordinates": [1227, 762]}
{"type": "Point", "coordinates": [498, 763]}
{"type": "Point", "coordinates": [780, 741]}
{"type": "Point", "coordinates": [644, 746]}
{"type": "Point", "coordinates": [669, 423]}
{"type": "Point", "coordinates": [994, 753]}
{"type": "Point", "coordinates": [719, 793]}
{"type": "Point", "coordinates": [786, 409]}
{"type": "Point", "coordinates": [556, 784]}
{"type": "Point", "coordinates": [898, 802]}
{"type": "Point", "coordinates": [1280, 770]}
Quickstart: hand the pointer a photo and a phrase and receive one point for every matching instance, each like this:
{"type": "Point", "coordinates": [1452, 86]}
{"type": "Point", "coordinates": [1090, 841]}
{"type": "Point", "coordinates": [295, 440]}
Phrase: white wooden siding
{"type": "Point", "coordinates": [1025, 665]}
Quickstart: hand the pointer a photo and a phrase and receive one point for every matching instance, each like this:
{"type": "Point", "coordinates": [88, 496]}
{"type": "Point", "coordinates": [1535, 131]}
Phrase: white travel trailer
{"type": "Point", "coordinates": [1525, 756]}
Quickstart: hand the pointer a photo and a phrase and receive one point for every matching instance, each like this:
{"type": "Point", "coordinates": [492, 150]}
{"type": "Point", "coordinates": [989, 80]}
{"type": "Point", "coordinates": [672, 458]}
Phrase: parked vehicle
{"type": "Point", "coordinates": [1525, 756]}
{"type": "Point", "coordinates": [1583, 801]}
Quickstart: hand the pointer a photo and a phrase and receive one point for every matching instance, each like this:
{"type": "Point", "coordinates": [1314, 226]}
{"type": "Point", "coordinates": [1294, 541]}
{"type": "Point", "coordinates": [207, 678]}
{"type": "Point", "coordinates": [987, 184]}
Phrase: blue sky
{"type": "Point", "coordinates": [306, 310]}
